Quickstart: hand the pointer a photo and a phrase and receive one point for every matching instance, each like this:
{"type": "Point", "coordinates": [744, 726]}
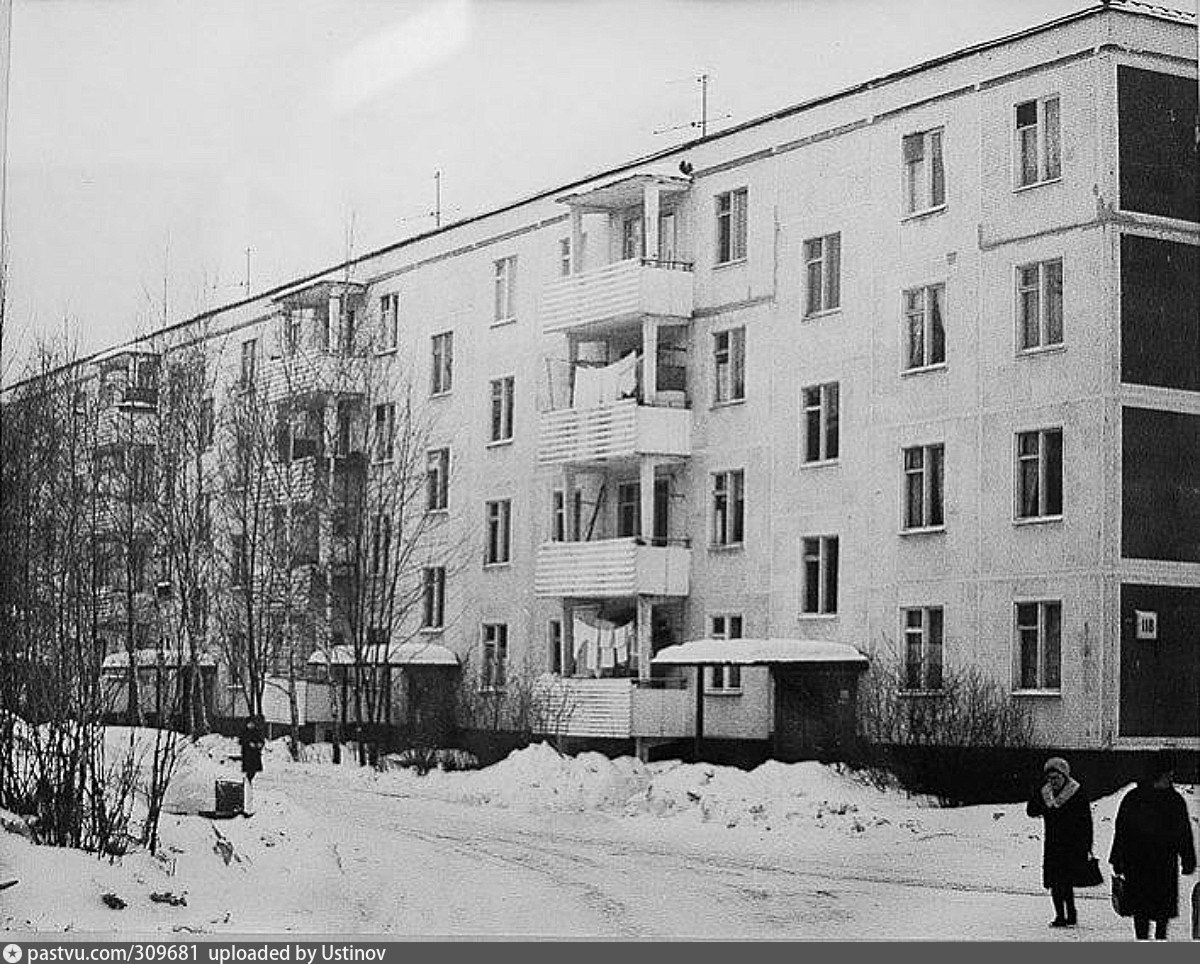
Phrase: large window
{"type": "Point", "coordinates": [1039, 474]}
{"type": "Point", "coordinates": [566, 526]}
{"type": "Point", "coordinates": [821, 422]}
{"type": "Point", "coordinates": [385, 432]}
{"type": "Point", "coordinates": [437, 480]}
{"type": "Point", "coordinates": [1040, 304]}
{"type": "Point", "coordinates": [442, 371]}
{"type": "Point", "coordinates": [924, 172]}
{"type": "Point", "coordinates": [729, 364]}
{"type": "Point", "coordinates": [923, 486]}
{"type": "Point", "coordinates": [502, 409]}
{"type": "Point", "coordinates": [923, 648]}
{"type": "Point", "coordinates": [493, 671]}
{"type": "Point", "coordinates": [1037, 142]}
{"type": "Point", "coordinates": [498, 521]}
{"type": "Point", "coordinates": [728, 508]}
{"type": "Point", "coordinates": [822, 273]}
{"type": "Point", "coordinates": [381, 545]}
{"type": "Point", "coordinates": [389, 321]}
{"type": "Point", "coordinates": [820, 574]}
{"type": "Point", "coordinates": [725, 678]}
{"type": "Point", "coordinates": [505, 307]}
{"type": "Point", "coordinates": [629, 509]}
{"type": "Point", "coordinates": [731, 226]}
{"type": "Point", "coordinates": [433, 597]}
{"type": "Point", "coordinates": [249, 362]}
{"type": "Point", "coordinates": [1039, 645]}
{"type": "Point", "coordinates": [924, 327]}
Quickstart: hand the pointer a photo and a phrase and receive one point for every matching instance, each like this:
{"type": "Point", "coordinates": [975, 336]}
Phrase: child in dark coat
{"type": "Point", "coordinates": [252, 746]}
{"type": "Point", "coordinates": [1061, 802]}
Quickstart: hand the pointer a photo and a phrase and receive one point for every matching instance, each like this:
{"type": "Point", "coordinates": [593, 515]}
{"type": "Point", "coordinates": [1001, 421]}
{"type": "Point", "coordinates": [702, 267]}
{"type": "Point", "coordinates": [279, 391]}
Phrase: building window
{"type": "Point", "coordinates": [389, 321]}
{"type": "Point", "coordinates": [344, 442]}
{"type": "Point", "coordinates": [239, 560]}
{"type": "Point", "coordinates": [923, 649]}
{"type": "Point", "coordinates": [1037, 142]}
{"type": "Point", "coordinates": [293, 330]}
{"type": "Point", "coordinates": [629, 509]}
{"type": "Point", "coordinates": [820, 564]}
{"type": "Point", "coordinates": [494, 671]}
{"type": "Point", "coordinates": [442, 377]}
{"type": "Point", "coordinates": [437, 480]}
{"type": "Point", "coordinates": [564, 257]}
{"type": "Point", "coordinates": [924, 477]}
{"type": "Point", "coordinates": [1039, 474]}
{"type": "Point", "coordinates": [924, 327]}
{"type": "Point", "coordinates": [632, 238]}
{"type": "Point", "coordinates": [1040, 304]}
{"type": "Point", "coordinates": [554, 640]}
{"type": "Point", "coordinates": [729, 362]}
{"type": "Point", "coordinates": [385, 432]}
{"type": "Point", "coordinates": [1039, 642]}
{"type": "Point", "coordinates": [726, 678]}
{"type": "Point", "coordinates": [249, 362]}
{"type": "Point", "coordinates": [822, 273]}
{"type": "Point", "coordinates": [731, 226]}
{"type": "Point", "coordinates": [498, 516]}
{"type": "Point", "coordinates": [924, 172]}
{"type": "Point", "coordinates": [506, 289]}
{"type": "Point", "coordinates": [502, 409]}
{"type": "Point", "coordinates": [564, 528]}
{"type": "Point", "coordinates": [208, 423]}
{"type": "Point", "coordinates": [433, 597]}
{"type": "Point", "coordinates": [728, 508]}
{"type": "Point", "coordinates": [381, 545]}
{"type": "Point", "coordinates": [821, 422]}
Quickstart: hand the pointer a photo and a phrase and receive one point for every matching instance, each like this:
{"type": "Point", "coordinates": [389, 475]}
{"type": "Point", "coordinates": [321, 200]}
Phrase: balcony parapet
{"type": "Point", "coordinates": [611, 568]}
{"type": "Point", "coordinates": [620, 429]}
{"type": "Point", "coordinates": [618, 292]}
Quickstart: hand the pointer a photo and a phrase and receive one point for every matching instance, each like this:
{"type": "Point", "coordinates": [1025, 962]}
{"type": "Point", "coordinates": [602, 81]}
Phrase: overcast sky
{"type": "Point", "coordinates": [151, 142]}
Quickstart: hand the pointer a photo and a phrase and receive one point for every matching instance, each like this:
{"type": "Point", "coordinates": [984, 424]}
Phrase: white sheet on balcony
{"type": "Point", "coordinates": [600, 644]}
{"type": "Point", "coordinates": [747, 652]}
{"type": "Point", "coordinates": [599, 386]}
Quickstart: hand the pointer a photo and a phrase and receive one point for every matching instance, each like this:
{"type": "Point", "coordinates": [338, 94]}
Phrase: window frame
{"type": "Point", "coordinates": [1045, 134]}
{"type": "Point", "coordinates": [931, 683]}
{"type": "Point", "coordinates": [433, 598]}
{"type": "Point", "coordinates": [732, 210]}
{"type": "Point", "coordinates": [727, 526]}
{"type": "Point", "coordinates": [437, 479]}
{"type": "Point", "coordinates": [561, 529]}
{"type": "Point", "coordinates": [497, 515]}
{"type": "Point", "coordinates": [729, 366]}
{"type": "Point", "coordinates": [1043, 490]}
{"type": "Point", "coordinates": [724, 679]}
{"type": "Point", "coordinates": [248, 369]}
{"type": "Point", "coordinates": [384, 449]}
{"type": "Point", "coordinates": [931, 310]}
{"type": "Point", "coordinates": [828, 421]}
{"type": "Point", "coordinates": [931, 477]}
{"type": "Point", "coordinates": [502, 405]}
{"type": "Point", "coordinates": [504, 291]}
{"type": "Point", "coordinates": [1039, 627]}
{"type": "Point", "coordinates": [389, 323]}
{"type": "Point", "coordinates": [827, 565]}
{"type": "Point", "coordinates": [1048, 294]}
{"type": "Point", "coordinates": [441, 376]}
{"type": "Point", "coordinates": [932, 172]}
{"type": "Point", "coordinates": [822, 274]}
{"type": "Point", "coordinates": [493, 668]}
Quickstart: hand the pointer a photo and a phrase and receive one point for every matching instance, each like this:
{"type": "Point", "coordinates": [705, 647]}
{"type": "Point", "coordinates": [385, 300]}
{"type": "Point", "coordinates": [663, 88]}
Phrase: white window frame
{"type": "Point", "coordinates": [1039, 459]}
{"type": "Point", "coordinates": [724, 679]}
{"type": "Point", "coordinates": [564, 257]}
{"type": "Point", "coordinates": [384, 421]}
{"type": "Point", "coordinates": [437, 479]}
{"type": "Point", "coordinates": [822, 274]}
{"type": "Point", "coordinates": [821, 405]}
{"type": "Point", "coordinates": [732, 223]}
{"type": "Point", "coordinates": [924, 472]}
{"type": "Point", "coordinates": [729, 366]}
{"type": "Point", "coordinates": [1038, 630]}
{"type": "Point", "coordinates": [441, 380]}
{"type": "Point", "coordinates": [504, 305]}
{"type": "Point", "coordinates": [1040, 293]}
{"type": "Point", "coordinates": [815, 552]}
{"type": "Point", "coordinates": [556, 646]}
{"type": "Point", "coordinates": [922, 631]}
{"type": "Point", "coordinates": [502, 402]}
{"type": "Point", "coordinates": [493, 669]}
{"type": "Point", "coordinates": [1042, 138]}
{"type": "Point", "coordinates": [728, 526]}
{"type": "Point", "coordinates": [389, 322]}
{"type": "Point", "coordinates": [922, 176]}
{"type": "Point", "coordinates": [924, 312]}
{"type": "Point", "coordinates": [433, 598]}
{"type": "Point", "coordinates": [561, 527]}
{"type": "Point", "coordinates": [249, 363]}
{"type": "Point", "coordinates": [497, 550]}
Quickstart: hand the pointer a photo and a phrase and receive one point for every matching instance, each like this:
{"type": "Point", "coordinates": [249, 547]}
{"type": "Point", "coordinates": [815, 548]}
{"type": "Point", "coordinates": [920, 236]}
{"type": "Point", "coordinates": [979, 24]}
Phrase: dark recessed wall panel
{"type": "Point", "coordinates": [1157, 118]}
{"type": "Point", "coordinates": [1160, 313]}
{"type": "Point", "coordinates": [1160, 678]}
{"type": "Point", "coordinates": [1160, 485]}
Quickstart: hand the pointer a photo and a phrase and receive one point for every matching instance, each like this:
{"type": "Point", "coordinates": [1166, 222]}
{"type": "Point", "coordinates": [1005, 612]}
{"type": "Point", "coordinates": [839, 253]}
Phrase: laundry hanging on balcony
{"type": "Point", "coordinates": [599, 386]}
{"type": "Point", "coordinates": [601, 645]}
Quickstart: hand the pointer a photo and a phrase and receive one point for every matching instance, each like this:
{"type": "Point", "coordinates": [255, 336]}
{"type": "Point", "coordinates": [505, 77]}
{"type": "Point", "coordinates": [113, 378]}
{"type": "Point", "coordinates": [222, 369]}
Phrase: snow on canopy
{"type": "Point", "coordinates": [393, 654]}
{"type": "Point", "coordinates": [155, 657]}
{"type": "Point", "coordinates": [747, 652]}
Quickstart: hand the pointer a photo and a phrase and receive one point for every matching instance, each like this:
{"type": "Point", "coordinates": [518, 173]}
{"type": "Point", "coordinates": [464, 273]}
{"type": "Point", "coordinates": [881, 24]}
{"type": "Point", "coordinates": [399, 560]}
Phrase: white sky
{"type": "Point", "coordinates": [152, 141]}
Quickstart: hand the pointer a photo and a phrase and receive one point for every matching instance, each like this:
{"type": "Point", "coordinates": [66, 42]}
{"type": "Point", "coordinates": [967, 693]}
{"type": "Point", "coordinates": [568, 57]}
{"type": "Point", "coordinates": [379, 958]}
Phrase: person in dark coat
{"type": "Point", "coordinates": [1152, 838]}
{"type": "Point", "coordinates": [252, 746]}
{"type": "Point", "coordinates": [1061, 802]}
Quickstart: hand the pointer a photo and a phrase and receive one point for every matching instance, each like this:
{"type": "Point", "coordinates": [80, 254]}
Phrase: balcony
{"type": "Point", "coordinates": [613, 708]}
{"type": "Point", "coordinates": [611, 568]}
{"type": "Point", "coordinates": [621, 429]}
{"type": "Point", "coordinates": [619, 292]}
{"type": "Point", "coordinates": [317, 374]}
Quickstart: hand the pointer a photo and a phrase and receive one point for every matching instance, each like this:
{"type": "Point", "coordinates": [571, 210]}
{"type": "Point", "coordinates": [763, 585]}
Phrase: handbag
{"type": "Point", "coordinates": [1089, 874]}
{"type": "Point", "coordinates": [1119, 902]}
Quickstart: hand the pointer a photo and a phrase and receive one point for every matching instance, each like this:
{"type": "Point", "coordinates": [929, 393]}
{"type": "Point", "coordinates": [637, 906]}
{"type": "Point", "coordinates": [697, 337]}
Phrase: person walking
{"type": "Point", "coordinates": [252, 746]}
{"type": "Point", "coordinates": [1152, 838]}
{"type": "Point", "coordinates": [1061, 802]}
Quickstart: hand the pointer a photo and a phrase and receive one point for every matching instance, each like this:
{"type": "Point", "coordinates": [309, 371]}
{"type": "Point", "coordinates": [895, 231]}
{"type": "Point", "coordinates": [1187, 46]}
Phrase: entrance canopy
{"type": "Point", "coordinates": [394, 654]}
{"type": "Point", "coordinates": [758, 652]}
{"type": "Point", "coordinates": [168, 658]}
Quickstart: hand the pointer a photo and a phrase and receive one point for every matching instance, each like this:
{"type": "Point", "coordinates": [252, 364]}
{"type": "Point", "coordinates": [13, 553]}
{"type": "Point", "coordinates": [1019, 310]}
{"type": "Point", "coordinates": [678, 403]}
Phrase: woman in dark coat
{"type": "Point", "coordinates": [1068, 841]}
{"type": "Point", "coordinates": [252, 746]}
{"type": "Point", "coordinates": [1151, 838]}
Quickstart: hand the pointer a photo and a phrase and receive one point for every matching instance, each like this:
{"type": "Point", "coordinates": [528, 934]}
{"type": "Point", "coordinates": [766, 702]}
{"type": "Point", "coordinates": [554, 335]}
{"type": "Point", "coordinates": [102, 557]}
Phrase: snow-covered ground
{"type": "Point", "coordinates": [542, 845]}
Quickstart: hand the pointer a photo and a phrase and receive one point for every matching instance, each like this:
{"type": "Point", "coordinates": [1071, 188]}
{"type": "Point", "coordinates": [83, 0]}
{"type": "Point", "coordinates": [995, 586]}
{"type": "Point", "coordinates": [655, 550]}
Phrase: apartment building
{"type": "Point", "coordinates": [909, 372]}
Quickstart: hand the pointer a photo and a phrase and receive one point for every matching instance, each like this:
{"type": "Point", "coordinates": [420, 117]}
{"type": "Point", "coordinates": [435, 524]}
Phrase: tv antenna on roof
{"type": "Point", "coordinates": [702, 123]}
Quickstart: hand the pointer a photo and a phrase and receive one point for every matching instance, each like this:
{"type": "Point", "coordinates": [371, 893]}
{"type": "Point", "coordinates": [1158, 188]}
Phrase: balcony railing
{"type": "Point", "coordinates": [611, 568]}
{"type": "Point", "coordinates": [613, 708]}
{"type": "Point", "coordinates": [619, 429]}
{"type": "Point", "coordinates": [621, 291]}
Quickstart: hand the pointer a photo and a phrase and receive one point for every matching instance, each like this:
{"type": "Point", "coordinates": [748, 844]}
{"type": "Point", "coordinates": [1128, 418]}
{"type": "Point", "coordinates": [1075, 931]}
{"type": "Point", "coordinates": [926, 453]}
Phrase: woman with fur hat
{"type": "Point", "coordinates": [1061, 802]}
{"type": "Point", "coordinates": [1152, 838]}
